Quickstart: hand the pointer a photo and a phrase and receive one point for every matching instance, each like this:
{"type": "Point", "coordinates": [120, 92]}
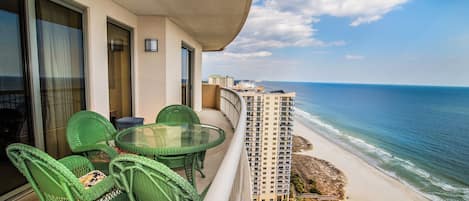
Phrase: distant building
{"type": "Point", "coordinates": [269, 141]}
{"type": "Point", "coordinates": [223, 81]}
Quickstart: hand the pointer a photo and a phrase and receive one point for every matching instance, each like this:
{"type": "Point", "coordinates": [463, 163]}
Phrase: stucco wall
{"type": "Point", "coordinates": [156, 76]}
{"type": "Point", "coordinates": [96, 16]}
{"type": "Point", "coordinates": [150, 76]}
{"type": "Point", "coordinates": [174, 38]}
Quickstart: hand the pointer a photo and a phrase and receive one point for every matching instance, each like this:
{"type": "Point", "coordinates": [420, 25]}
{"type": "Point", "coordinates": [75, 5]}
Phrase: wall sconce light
{"type": "Point", "coordinates": [151, 45]}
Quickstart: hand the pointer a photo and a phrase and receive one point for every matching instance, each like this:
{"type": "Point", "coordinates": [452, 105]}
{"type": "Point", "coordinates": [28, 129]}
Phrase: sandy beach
{"type": "Point", "coordinates": [364, 182]}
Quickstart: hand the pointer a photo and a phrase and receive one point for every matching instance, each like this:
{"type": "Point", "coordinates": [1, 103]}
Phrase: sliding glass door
{"type": "Point", "coordinates": [45, 78]}
{"type": "Point", "coordinates": [119, 71]}
{"type": "Point", "coordinates": [187, 56]}
{"type": "Point", "coordinates": [61, 69]}
{"type": "Point", "coordinates": [15, 118]}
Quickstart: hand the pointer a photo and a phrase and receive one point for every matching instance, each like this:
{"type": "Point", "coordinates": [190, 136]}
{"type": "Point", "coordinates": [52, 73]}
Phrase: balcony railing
{"type": "Point", "coordinates": [232, 181]}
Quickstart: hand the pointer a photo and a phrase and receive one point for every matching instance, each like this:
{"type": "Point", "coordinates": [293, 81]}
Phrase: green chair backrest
{"type": "Point", "coordinates": [177, 114]}
{"type": "Point", "coordinates": [144, 179]}
{"type": "Point", "coordinates": [88, 128]}
{"type": "Point", "coordinates": [49, 178]}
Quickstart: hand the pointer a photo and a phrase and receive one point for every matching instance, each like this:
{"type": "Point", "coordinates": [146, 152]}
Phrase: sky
{"type": "Point", "coordinates": [417, 42]}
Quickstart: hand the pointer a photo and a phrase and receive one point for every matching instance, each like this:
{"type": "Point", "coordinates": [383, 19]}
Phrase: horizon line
{"type": "Point", "coordinates": [369, 83]}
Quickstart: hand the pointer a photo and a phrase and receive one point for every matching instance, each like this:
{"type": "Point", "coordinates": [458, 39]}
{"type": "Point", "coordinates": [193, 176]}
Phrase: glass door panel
{"type": "Point", "coordinates": [61, 69]}
{"type": "Point", "coordinates": [120, 87]}
{"type": "Point", "coordinates": [15, 118]}
{"type": "Point", "coordinates": [186, 76]}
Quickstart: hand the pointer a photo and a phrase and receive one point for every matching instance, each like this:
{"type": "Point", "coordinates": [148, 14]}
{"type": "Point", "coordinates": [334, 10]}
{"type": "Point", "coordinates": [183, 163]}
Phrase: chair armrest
{"type": "Point", "coordinates": [79, 165]}
{"type": "Point", "coordinates": [98, 147]}
{"type": "Point", "coordinates": [101, 188]}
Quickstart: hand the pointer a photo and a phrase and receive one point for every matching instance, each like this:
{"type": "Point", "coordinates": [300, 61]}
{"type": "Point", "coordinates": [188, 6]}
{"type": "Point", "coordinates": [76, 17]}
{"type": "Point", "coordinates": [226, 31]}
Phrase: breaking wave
{"type": "Point", "coordinates": [405, 171]}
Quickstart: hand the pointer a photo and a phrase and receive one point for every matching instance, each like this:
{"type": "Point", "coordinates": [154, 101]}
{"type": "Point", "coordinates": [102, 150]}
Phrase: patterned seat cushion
{"type": "Point", "coordinates": [114, 194]}
{"type": "Point", "coordinates": [92, 178]}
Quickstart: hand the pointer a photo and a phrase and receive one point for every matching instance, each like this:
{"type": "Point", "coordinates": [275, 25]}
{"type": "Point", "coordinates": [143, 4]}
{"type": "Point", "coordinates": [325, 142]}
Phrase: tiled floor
{"type": "Point", "coordinates": [213, 156]}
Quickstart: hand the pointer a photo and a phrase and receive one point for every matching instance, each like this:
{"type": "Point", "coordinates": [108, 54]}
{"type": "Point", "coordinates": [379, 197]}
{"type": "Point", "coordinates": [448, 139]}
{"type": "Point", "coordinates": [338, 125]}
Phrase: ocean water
{"type": "Point", "coordinates": [418, 135]}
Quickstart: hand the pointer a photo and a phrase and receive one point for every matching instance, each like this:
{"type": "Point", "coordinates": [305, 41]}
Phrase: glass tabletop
{"type": "Point", "coordinates": [167, 139]}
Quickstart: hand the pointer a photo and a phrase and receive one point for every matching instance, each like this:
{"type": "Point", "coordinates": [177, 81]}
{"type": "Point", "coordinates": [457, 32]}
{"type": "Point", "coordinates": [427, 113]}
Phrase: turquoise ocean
{"type": "Point", "coordinates": [416, 134]}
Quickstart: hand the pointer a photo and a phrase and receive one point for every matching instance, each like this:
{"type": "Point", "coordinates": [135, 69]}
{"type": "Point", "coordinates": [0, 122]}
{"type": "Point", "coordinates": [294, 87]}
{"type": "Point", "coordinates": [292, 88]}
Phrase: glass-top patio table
{"type": "Point", "coordinates": [171, 140]}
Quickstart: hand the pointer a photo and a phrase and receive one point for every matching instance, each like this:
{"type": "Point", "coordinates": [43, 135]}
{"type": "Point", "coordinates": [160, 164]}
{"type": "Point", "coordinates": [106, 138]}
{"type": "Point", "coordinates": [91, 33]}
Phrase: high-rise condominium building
{"type": "Point", "coordinates": [223, 81]}
{"type": "Point", "coordinates": [269, 142]}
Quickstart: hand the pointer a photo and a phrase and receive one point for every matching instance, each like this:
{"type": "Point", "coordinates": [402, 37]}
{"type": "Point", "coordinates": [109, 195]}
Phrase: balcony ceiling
{"type": "Point", "coordinates": [214, 23]}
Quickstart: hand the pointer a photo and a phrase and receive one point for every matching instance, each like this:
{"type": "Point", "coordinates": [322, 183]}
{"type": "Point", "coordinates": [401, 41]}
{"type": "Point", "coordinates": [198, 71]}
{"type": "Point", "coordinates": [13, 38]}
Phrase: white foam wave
{"type": "Point", "coordinates": [387, 158]}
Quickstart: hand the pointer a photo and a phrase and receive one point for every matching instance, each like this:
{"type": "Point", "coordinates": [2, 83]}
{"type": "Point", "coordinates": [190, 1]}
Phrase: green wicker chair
{"type": "Point", "coordinates": [144, 179]}
{"type": "Point", "coordinates": [91, 134]}
{"type": "Point", "coordinates": [58, 179]}
{"type": "Point", "coordinates": [179, 114]}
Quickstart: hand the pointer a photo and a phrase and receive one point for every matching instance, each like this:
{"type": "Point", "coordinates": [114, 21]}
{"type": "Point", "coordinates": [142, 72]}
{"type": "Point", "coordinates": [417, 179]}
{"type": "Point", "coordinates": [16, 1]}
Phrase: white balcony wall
{"type": "Point", "coordinates": [151, 72]}
{"type": "Point", "coordinates": [159, 73]}
{"type": "Point", "coordinates": [175, 36]}
{"type": "Point", "coordinates": [156, 75]}
{"type": "Point", "coordinates": [96, 16]}
{"type": "Point", "coordinates": [233, 179]}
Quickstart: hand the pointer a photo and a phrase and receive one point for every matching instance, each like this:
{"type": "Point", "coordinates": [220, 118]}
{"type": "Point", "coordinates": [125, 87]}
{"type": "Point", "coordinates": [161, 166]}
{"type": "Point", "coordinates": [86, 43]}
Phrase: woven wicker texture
{"type": "Point", "coordinates": [183, 115]}
{"type": "Point", "coordinates": [144, 179]}
{"type": "Point", "coordinates": [56, 179]}
{"type": "Point", "coordinates": [90, 134]}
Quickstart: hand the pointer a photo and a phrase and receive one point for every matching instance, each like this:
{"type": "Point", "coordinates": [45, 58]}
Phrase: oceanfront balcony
{"type": "Point", "coordinates": [117, 59]}
{"type": "Point", "coordinates": [226, 166]}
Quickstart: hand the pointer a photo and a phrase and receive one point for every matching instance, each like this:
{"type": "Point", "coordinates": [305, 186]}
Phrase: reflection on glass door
{"type": "Point", "coordinates": [186, 75]}
{"type": "Point", "coordinates": [61, 69]}
{"type": "Point", "coordinates": [15, 118]}
{"type": "Point", "coordinates": [119, 72]}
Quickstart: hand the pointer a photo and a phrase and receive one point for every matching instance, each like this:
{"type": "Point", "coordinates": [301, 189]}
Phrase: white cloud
{"type": "Point", "coordinates": [361, 20]}
{"type": "Point", "coordinates": [278, 23]}
{"type": "Point", "coordinates": [354, 57]}
{"type": "Point", "coordinates": [248, 55]}
{"type": "Point", "coordinates": [361, 11]}
{"type": "Point", "coordinates": [268, 28]}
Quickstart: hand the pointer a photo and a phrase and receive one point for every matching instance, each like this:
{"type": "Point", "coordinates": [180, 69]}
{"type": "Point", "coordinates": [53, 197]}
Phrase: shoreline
{"type": "Point", "coordinates": [364, 181]}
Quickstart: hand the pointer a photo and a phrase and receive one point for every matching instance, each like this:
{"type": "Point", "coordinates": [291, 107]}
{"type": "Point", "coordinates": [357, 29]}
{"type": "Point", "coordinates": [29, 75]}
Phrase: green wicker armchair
{"type": "Point", "coordinates": [179, 114]}
{"type": "Point", "coordinates": [58, 179]}
{"type": "Point", "coordinates": [91, 134]}
{"type": "Point", "coordinates": [144, 179]}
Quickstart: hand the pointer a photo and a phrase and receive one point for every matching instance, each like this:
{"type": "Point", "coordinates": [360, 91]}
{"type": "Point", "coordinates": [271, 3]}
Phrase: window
{"type": "Point", "coordinates": [61, 70]}
{"type": "Point", "coordinates": [187, 67]}
{"type": "Point", "coordinates": [14, 103]}
{"type": "Point", "coordinates": [60, 91]}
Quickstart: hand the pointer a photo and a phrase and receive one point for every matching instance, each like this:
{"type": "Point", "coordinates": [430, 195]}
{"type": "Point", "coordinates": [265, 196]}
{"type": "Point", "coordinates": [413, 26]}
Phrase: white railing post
{"type": "Point", "coordinates": [232, 181]}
